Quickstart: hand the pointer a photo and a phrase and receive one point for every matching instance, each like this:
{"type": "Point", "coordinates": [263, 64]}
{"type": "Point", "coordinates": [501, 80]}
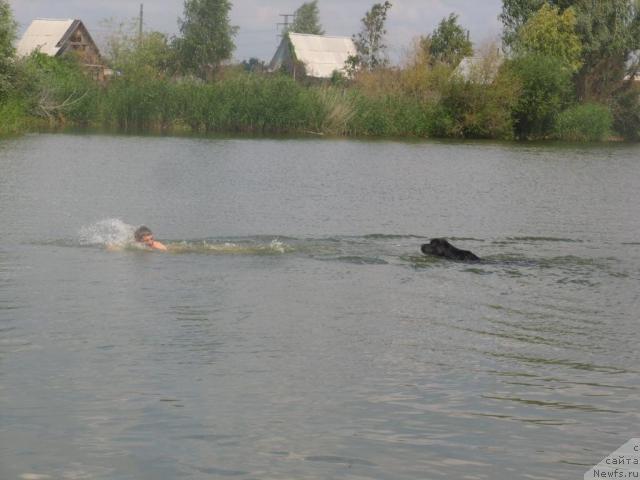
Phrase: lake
{"type": "Point", "coordinates": [294, 330]}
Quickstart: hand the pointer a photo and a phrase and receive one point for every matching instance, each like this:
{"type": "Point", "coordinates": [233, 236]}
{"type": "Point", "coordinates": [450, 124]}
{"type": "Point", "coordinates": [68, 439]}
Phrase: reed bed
{"type": "Point", "coordinates": [416, 101]}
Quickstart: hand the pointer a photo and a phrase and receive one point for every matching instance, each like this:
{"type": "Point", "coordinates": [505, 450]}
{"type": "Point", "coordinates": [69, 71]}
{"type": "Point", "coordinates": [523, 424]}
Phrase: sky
{"type": "Point", "coordinates": [257, 19]}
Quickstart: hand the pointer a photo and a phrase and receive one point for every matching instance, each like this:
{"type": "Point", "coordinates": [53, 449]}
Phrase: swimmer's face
{"type": "Point", "coordinates": [147, 239]}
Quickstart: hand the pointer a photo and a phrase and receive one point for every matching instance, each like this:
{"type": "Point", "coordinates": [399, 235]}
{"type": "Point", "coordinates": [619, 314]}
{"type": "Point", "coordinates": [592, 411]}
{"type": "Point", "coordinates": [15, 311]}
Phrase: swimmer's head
{"type": "Point", "coordinates": [143, 235]}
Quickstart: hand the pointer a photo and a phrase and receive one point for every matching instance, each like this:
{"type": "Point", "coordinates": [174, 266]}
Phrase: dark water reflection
{"type": "Point", "coordinates": [293, 330]}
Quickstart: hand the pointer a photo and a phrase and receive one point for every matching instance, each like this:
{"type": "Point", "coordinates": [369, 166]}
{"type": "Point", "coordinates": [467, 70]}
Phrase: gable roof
{"type": "Point", "coordinates": [47, 35]}
{"type": "Point", "coordinates": [321, 54]}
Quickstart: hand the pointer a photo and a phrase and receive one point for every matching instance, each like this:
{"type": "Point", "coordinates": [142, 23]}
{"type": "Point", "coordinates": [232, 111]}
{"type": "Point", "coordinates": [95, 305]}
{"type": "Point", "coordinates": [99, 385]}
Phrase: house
{"type": "Point", "coordinates": [55, 38]}
{"type": "Point", "coordinates": [321, 55]}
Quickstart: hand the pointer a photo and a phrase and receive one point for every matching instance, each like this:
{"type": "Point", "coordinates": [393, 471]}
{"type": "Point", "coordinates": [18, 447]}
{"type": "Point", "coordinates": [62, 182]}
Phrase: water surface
{"type": "Point", "coordinates": [294, 330]}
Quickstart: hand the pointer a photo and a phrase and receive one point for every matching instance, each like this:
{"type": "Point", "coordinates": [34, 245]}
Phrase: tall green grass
{"type": "Point", "coordinates": [273, 104]}
{"type": "Point", "coordinates": [588, 122]}
{"type": "Point", "coordinates": [242, 103]}
{"type": "Point", "coordinates": [134, 105]}
{"type": "Point", "coordinates": [13, 117]}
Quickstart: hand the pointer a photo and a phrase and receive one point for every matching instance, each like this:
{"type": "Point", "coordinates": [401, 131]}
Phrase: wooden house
{"type": "Point", "coordinates": [57, 37]}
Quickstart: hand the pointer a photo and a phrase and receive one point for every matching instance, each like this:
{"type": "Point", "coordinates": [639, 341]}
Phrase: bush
{"type": "Point", "coordinates": [13, 116]}
{"type": "Point", "coordinates": [626, 113]}
{"type": "Point", "coordinates": [588, 122]}
{"type": "Point", "coordinates": [471, 109]}
{"type": "Point", "coordinates": [57, 89]}
{"type": "Point", "coordinates": [545, 90]}
{"type": "Point", "coordinates": [7, 52]}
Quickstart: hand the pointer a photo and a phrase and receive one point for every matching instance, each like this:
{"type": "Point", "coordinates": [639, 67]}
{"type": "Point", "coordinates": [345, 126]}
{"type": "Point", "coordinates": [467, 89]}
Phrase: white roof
{"type": "Point", "coordinates": [321, 54]}
{"type": "Point", "coordinates": [43, 34]}
{"type": "Point", "coordinates": [485, 69]}
{"type": "Point", "coordinates": [467, 64]}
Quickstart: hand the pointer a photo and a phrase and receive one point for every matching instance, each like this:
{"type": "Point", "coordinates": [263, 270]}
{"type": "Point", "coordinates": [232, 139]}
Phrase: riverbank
{"type": "Point", "coordinates": [382, 105]}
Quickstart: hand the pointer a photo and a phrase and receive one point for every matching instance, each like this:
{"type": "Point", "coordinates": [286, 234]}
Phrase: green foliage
{"type": "Point", "coordinates": [239, 102]}
{"type": "Point", "coordinates": [426, 101]}
{"type": "Point", "coordinates": [258, 104]}
{"type": "Point", "coordinates": [132, 54]}
{"type": "Point", "coordinates": [338, 110]}
{"type": "Point", "coordinates": [588, 122]}
{"type": "Point", "coordinates": [449, 43]}
{"type": "Point", "coordinates": [307, 19]}
{"type": "Point", "coordinates": [477, 110]}
{"type": "Point", "coordinates": [549, 32]}
{"type": "Point", "coordinates": [374, 116]}
{"type": "Point", "coordinates": [371, 50]}
{"type": "Point", "coordinates": [338, 78]}
{"type": "Point", "coordinates": [626, 113]}
{"type": "Point", "coordinates": [57, 89]}
{"type": "Point", "coordinates": [136, 104]}
{"type": "Point", "coordinates": [515, 13]}
{"type": "Point", "coordinates": [7, 30]}
{"type": "Point", "coordinates": [156, 53]}
{"type": "Point", "coordinates": [7, 52]}
{"type": "Point", "coordinates": [610, 32]}
{"type": "Point", "coordinates": [545, 90]}
{"type": "Point", "coordinates": [527, 97]}
{"type": "Point", "coordinates": [13, 116]}
{"type": "Point", "coordinates": [207, 36]}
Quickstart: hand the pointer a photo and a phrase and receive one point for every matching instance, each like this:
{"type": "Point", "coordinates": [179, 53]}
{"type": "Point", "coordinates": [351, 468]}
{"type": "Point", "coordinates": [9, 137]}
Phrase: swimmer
{"type": "Point", "coordinates": [145, 236]}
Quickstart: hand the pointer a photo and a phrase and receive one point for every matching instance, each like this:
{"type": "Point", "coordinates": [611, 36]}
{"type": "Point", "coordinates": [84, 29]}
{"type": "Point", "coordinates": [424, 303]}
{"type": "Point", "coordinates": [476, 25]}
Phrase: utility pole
{"type": "Point", "coordinates": [285, 29]}
{"type": "Point", "coordinates": [286, 23]}
{"type": "Point", "coordinates": [140, 24]}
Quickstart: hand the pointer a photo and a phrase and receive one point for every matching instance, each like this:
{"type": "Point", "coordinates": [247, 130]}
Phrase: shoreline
{"type": "Point", "coordinates": [183, 131]}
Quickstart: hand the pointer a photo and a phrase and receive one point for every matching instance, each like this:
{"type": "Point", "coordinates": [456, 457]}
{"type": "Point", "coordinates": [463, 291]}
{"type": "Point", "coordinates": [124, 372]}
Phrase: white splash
{"type": "Point", "coordinates": [108, 232]}
{"type": "Point", "coordinates": [278, 246]}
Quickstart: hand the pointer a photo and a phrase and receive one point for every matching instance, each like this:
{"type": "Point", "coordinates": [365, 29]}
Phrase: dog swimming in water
{"type": "Point", "coordinates": [440, 247]}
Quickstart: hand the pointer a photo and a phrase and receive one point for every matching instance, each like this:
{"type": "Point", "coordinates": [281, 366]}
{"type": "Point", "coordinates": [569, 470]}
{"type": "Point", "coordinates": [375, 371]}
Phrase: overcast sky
{"type": "Point", "coordinates": [257, 19]}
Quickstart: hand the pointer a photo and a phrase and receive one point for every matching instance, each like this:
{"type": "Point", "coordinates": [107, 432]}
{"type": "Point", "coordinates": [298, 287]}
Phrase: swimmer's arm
{"type": "Point", "coordinates": [159, 246]}
{"type": "Point", "coordinates": [112, 247]}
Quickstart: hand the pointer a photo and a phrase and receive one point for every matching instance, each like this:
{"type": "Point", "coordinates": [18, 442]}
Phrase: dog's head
{"type": "Point", "coordinates": [437, 246]}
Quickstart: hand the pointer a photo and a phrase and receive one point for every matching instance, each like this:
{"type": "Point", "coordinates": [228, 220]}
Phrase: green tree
{"type": "Point", "coordinates": [139, 56]}
{"type": "Point", "coordinates": [371, 50]}
{"type": "Point", "coordinates": [610, 32]}
{"type": "Point", "coordinates": [207, 36]}
{"type": "Point", "coordinates": [449, 43]}
{"type": "Point", "coordinates": [307, 19]}
{"type": "Point", "coordinates": [546, 90]}
{"type": "Point", "coordinates": [515, 13]}
{"type": "Point", "coordinates": [549, 32]}
{"type": "Point", "coordinates": [608, 29]}
{"type": "Point", "coordinates": [7, 52]}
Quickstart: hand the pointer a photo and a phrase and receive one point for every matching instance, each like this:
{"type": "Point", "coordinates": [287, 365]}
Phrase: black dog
{"type": "Point", "coordinates": [441, 248]}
